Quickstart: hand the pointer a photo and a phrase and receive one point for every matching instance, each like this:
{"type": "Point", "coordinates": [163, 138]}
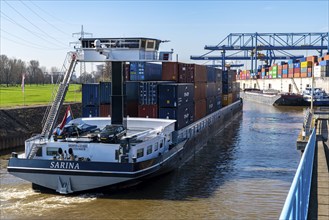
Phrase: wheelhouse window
{"type": "Point", "coordinates": [156, 146]}
{"type": "Point", "coordinates": [52, 151]}
{"type": "Point", "coordinates": [140, 152]}
{"type": "Point", "coordinates": [150, 44]}
{"type": "Point", "coordinates": [149, 149]}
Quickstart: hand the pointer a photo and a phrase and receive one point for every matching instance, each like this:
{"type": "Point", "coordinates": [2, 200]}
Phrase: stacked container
{"type": "Point", "coordinates": [105, 89]}
{"type": "Point", "coordinates": [324, 68]}
{"type": "Point", "coordinates": [306, 67]}
{"type": "Point", "coordinates": [176, 102]}
{"type": "Point", "coordinates": [131, 98]}
{"type": "Point", "coordinates": [148, 99]}
{"type": "Point", "coordinates": [180, 91]}
{"type": "Point", "coordinates": [140, 71]}
{"type": "Point", "coordinates": [227, 82]}
{"type": "Point", "coordinates": [90, 100]}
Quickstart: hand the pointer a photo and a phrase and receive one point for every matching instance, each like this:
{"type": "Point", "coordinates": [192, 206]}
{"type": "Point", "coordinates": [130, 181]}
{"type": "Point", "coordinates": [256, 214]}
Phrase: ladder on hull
{"type": "Point", "coordinates": [58, 96]}
{"type": "Point", "coordinates": [293, 82]}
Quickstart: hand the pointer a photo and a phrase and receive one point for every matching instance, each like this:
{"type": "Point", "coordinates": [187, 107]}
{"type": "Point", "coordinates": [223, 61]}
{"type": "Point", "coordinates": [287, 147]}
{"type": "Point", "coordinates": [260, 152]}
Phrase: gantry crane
{"type": "Point", "coordinates": [251, 45]}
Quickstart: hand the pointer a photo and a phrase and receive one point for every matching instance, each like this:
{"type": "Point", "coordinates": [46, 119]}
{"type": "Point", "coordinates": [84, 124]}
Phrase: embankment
{"type": "Point", "coordinates": [18, 124]}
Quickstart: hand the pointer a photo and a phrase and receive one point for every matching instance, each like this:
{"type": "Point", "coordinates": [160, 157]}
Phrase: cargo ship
{"type": "Point", "coordinates": [148, 121]}
{"type": "Point", "coordinates": [289, 78]}
{"type": "Point", "coordinates": [274, 98]}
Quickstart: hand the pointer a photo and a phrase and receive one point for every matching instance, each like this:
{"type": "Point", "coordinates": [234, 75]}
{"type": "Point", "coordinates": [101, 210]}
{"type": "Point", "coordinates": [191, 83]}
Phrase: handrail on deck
{"type": "Point", "coordinates": [297, 201]}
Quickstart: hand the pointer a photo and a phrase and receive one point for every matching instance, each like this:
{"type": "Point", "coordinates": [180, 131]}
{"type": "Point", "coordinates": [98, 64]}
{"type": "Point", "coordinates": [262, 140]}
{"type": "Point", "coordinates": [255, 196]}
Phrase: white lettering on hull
{"type": "Point", "coordinates": [64, 165]}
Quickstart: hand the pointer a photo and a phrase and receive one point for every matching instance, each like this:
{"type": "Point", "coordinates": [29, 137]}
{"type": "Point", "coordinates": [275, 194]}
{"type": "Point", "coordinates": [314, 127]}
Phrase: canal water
{"type": "Point", "coordinates": [244, 172]}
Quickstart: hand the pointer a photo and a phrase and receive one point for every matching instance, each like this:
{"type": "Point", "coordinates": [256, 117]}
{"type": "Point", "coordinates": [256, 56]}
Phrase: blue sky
{"type": "Point", "coordinates": [42, 30]}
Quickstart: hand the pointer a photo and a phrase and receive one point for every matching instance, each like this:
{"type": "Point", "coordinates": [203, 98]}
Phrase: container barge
{"type": "Point", "coordinates": [290, 79]}
{"type": "Point", "coordinates": [148, 121]}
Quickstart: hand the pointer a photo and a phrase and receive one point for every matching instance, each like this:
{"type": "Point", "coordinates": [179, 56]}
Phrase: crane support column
{"type": "Point", "coordinates": [117, 93]}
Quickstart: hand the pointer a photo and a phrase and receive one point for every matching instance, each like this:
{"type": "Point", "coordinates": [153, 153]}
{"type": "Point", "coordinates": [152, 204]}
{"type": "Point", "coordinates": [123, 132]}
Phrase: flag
{"type": "Point", "coordinates": [23, 82]}
{"type": "Point", "coordinates": [67, 118]}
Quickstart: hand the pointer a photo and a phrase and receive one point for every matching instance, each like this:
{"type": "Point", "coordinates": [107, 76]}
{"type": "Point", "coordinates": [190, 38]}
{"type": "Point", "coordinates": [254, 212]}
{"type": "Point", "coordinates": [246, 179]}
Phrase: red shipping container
{"type": "Point", "coordinates": [296, 70]}
{"type": "Point", "coordinates": [326, 57]}
{"type": "Point", "coordinates": [199, 109]}
{"type": "Point", "coordinates": [296, 75]}
{"type": "Point", "coordinates": [170, 71]}
{"type": "Point", "coordinates": [199, 90]}
{"type": "Point", "coordinates": [290, 75]}
{"type": "Point", "coordinates": [285, 76]}
{"type": "Point", "coordinates": [182, 72]}
{"type": "Point", "coordinates": [312, 58]}
{"type": "Point", "coordinates": [105, 110]}
{"type": "Point", "coordinates": [309, 69]}
{"type": "Point", "coordinates": [198, 73]}
{"type": "Point", "coordinates": [303, 75]}
{"type": "Point", "coordinates": [291, 71]}
{"type": "Point", "coordinates": [148, 111]}
{"type": "Point", "coordinates": [131, 109]}
{"type": "Point", "coordinates": [285, 66]}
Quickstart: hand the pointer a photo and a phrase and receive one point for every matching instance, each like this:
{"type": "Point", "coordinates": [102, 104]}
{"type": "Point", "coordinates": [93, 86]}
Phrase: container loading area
{"type": "Point", "coordinates": [181, 91]}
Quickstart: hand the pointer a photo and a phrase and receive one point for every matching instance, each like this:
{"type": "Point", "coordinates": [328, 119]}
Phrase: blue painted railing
{"type": "Point", "coordinates": [296, 204]}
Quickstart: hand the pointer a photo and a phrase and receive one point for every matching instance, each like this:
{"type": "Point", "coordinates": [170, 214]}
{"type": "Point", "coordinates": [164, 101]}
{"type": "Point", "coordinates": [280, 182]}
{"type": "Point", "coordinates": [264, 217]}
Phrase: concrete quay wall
{"type": "Point", "coordinates": [19, 124]}
{"type": "Point", "coordinates": [285, 84]}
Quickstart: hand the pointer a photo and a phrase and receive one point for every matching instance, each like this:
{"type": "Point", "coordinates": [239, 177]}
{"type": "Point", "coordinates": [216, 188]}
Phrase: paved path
{"type": "Point", "coordinates": [319, 201]}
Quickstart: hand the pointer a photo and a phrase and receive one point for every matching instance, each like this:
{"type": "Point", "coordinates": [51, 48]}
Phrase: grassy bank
{"type": "Point", "coordinates": [34, 95]}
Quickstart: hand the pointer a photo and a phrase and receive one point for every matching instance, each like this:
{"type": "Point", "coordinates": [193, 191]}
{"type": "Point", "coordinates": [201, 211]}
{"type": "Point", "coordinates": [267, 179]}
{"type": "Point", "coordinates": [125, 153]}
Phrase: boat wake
{"type": "Point", "coordinates": [25, 202]}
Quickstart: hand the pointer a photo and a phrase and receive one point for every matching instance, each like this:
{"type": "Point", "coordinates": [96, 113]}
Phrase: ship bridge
{"type": "Point", "coordinates": [122, 49]}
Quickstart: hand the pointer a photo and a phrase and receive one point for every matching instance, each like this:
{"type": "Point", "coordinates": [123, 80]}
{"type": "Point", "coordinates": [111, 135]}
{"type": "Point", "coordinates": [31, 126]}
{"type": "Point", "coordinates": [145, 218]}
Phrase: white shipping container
{"type": "Point", "coordinates": [317, 71]}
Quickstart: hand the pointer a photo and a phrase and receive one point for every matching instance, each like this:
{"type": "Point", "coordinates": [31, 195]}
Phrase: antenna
{"type": "Point", "coordinates": [77, 46]}
{"type": "Point", "coordinates": [82, 34]}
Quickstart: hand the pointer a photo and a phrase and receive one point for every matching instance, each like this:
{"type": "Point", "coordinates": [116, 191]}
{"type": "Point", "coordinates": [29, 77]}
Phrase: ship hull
{"type": "Point", "coordinates": [274, 99]}
{"type": "Point", "coordinates": [67, 177]}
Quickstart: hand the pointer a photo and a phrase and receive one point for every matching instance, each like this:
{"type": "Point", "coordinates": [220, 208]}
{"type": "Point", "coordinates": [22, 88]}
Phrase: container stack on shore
{"type": "Point", "coordinates": [300, 68]}
{"type": "Point", "coordinates": [174, 90]}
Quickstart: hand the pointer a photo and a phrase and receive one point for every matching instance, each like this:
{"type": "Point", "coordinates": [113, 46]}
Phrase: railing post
{"type": "Point", "coordinates": [296, 204]}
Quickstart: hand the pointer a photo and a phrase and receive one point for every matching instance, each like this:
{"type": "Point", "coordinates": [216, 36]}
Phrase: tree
{"type": "Point", "coordinates": [33, 71]}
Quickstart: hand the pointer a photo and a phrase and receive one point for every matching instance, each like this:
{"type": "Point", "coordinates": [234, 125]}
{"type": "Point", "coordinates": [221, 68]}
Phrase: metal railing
{"type": "Point", "coordinates": [297, 201]}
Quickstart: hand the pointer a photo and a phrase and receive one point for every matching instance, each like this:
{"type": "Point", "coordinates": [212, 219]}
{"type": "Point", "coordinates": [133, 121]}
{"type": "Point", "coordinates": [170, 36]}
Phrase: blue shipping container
{"type": "Point", "coordinates": [219, 75]}
{"type": "Point", "coordinates": [211, 74]}
{"type": "Point", "coordinates": [88, 111]}
{"type": "Point", "coordinates": [296, 65]}
{"type": "Point", "coordinates": [130, 90]}
{"type": "Point", "coordinates": [324, 63]}
{"type": "Point", "coordinates": [210, 89]}
{"type": "Point", "coordinates": [218, 100]}
{"type": "Point", "coordinates": [90, 94]}
{"type": "Point", "coordinates": [218, 87]}
{"type": "Point", "coordinates": [285, 71]}
{"type": "Point", "coordinates": [145, 71]}
{"type": "Point", "coordinates": [148, 93]}
{"type": "Point", "coordinates": [175, 94]}
{"type": "Point", "coordinates": [183, 114]}
{"type": "Point", "coordinates": [105, 92]}
{"type": "Point", "coordinates": [211, 105]}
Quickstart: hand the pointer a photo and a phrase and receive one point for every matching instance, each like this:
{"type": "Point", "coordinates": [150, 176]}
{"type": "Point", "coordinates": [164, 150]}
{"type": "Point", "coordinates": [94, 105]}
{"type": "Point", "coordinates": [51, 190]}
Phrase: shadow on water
{"type": "Point", "coordinates": [198, 178]}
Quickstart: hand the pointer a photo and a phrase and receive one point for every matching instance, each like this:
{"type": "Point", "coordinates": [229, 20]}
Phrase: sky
{"type": "Point", "coordinates": [42, 30]}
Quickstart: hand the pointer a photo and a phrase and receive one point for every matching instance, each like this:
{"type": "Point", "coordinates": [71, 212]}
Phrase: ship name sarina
{"type": "Point", "coordinates": [64, 165]}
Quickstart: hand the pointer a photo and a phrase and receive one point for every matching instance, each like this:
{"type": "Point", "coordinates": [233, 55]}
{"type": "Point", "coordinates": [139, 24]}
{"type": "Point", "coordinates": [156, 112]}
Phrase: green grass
{"type": "Point", "coordinates": [34, 95]}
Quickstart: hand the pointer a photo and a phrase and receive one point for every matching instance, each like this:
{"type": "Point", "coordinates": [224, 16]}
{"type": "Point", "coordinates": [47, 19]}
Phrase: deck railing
{"type": "Point", "coordinates": [297, 201]}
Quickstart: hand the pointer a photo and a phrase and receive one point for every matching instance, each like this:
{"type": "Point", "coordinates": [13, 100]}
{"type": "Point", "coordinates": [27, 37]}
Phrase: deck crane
{"type": "Point", "coordinates": [274, 45]}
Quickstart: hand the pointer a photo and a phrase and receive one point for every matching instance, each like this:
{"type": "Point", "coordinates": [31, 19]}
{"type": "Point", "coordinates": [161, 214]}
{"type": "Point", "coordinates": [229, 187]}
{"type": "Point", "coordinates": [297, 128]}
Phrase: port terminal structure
{"type": "Point", "coordinates": [267, 47]}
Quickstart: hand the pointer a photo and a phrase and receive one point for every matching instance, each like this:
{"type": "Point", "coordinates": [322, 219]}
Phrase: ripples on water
{"type": "Point", "coordinates": [244, 173]}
